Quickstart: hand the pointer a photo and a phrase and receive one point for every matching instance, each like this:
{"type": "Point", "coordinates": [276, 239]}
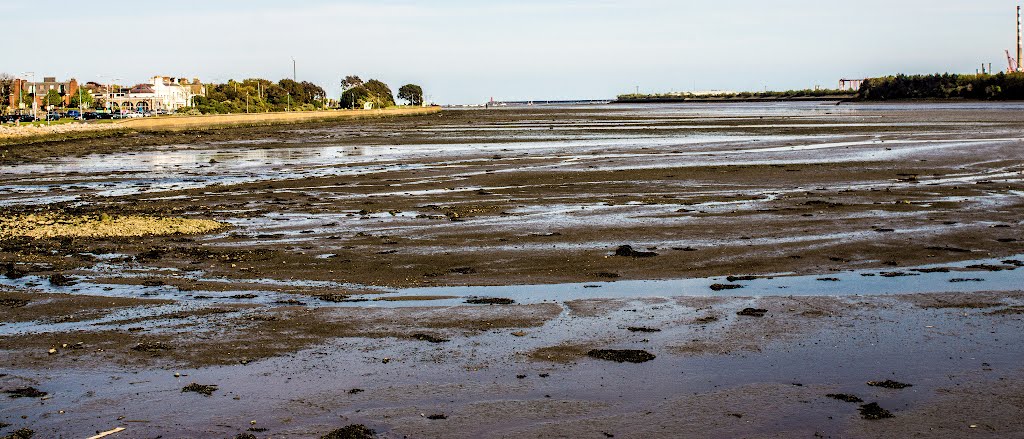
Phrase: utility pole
{"type": "Point", "coordinates": [295, 76]}
{"type": "Point", "coordinates": [1020, 43]}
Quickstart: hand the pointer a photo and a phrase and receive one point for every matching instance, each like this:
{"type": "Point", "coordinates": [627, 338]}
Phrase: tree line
{"type": "Point", "coordinates": [1001, 86]}
{"type": "Point", "coordinates": [357, 94]}
{"type": "Point", "coordinates": [256, 95]}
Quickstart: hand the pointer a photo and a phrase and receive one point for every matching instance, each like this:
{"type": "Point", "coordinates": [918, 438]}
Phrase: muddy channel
{"type": "Point", "coordinates": [739, 270]}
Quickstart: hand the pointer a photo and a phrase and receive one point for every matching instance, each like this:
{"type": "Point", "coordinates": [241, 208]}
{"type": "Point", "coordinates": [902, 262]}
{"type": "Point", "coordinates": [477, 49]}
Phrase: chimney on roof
{"type": "Point", "coordinates": [49, 79]}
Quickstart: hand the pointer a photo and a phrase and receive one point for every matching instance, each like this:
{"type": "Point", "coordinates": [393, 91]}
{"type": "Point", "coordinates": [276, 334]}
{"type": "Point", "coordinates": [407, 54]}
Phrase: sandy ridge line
{"type": "Point", "coordinates": [15, 134]}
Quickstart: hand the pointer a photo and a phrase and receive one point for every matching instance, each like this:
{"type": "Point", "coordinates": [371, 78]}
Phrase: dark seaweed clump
{"type": "Point", "coordinates": [489, 301]}
{"type": "Point", "coordinates": [844, 397]}
{"type": "Point", "coordinates": [874, 412]}
{"type": "Point", "coordinates": [202, 389]}
{"type": "Point", "coordinates": [889, 384]}
{"type": "Point", "coordinates": [621, 356]}
{"type": "Point", "coordinates": [354, 431]}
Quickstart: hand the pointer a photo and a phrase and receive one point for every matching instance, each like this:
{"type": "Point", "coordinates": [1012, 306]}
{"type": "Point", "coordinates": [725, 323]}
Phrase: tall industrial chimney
{"type": "Point", "coordinates": [1020, 44]}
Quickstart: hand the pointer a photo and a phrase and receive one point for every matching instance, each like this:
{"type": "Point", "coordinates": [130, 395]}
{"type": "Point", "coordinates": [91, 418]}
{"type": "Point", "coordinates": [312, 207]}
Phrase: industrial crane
{"type": "Point", "coordinates": [1012, 61]}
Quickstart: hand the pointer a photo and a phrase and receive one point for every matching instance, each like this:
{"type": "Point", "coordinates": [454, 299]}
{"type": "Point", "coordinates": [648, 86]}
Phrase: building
{"type": "Point", "coordinates": [161, 93]}
{"type": "Point", "coordinates": [28, 95]}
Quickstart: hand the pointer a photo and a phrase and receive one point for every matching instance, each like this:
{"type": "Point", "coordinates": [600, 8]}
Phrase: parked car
{"type": "Point", "coordinates": [74, 114]}
{"type": "Point", "coordinates": [52, 116]}
{"type": "Point", "coordinates": [25, 118]}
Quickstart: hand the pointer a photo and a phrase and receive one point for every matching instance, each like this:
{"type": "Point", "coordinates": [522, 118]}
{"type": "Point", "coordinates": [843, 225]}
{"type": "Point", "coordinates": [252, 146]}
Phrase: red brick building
{"type": "Point", "coordinates": [37, 91]}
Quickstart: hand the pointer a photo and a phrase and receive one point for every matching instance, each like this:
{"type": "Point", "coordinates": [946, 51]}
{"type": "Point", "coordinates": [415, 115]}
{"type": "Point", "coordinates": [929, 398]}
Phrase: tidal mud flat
{"type": "Point", "coordinates": [740, 270]}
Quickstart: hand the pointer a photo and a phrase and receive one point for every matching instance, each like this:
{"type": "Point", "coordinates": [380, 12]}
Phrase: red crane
{"type": "Point", "coordinates": [1012, 62]}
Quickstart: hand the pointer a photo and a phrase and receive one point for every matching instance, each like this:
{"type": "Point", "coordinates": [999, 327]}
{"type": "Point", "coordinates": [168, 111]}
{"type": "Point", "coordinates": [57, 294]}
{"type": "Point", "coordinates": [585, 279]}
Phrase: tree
{"type": "Point", "coordinates": [52, 97]}
{"type": "Point", "coordinates": [351, 81]}
{"type": "Point", "coordinates": [380, 93]}
{"type": "Point", "coordinates": [6, 91]}
{"type": "Point", "coordinates": [411, 93]}
{"type": "Point", "coordinates": [80, 98]}
{"type": "Point", "coordinates": [355, 97]}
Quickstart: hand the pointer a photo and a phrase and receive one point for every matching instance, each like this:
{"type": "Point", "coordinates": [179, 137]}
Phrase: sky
{"type": "Point", "coordinates": [468, 51]}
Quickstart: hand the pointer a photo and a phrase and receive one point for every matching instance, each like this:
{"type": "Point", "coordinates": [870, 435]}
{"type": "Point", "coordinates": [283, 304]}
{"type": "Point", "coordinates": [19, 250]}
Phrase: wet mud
{"type": "Point", "coordinates": [585, 272]}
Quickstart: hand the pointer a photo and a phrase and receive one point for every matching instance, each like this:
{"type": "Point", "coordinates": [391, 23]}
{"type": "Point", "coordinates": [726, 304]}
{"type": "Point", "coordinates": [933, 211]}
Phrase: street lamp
{"type": "Point", "coordinates": [32, 88]}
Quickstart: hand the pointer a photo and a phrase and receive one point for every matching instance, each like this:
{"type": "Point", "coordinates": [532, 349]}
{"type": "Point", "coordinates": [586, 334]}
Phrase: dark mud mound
{"type": "Point", "coordinates": [642, 329]}
{"type": "Point", "coordinates": [10, 272]}
{"type": "Point", "coordinates": [13, 303]}
{"type": "Point", "coordinates": [202, 389]}
{"type": "Point", "coordinates": [740, 278]}
{"type": "Point", "coordinates": [60, 280]}
{"type": "Point", "coordinates": [354, 431]}
{"type": "Point", "coordinates": [752, 312]}
{"type": "Point", "coordinates": [151, 347]}
{"type": "Point", "coordinates": [489, 301]}
{"type": "Point", "coordinates": [429, 338]}
{"type": "Point", "coordinates": [844, 397]}
{"type": "Point", "coordinates": [723, 287]}
{"type": "Point", "coordinates": [874, 412]}
{"type": "Point", "coordinates": [23, 433]}
{"type": "Point", "coordinates": [990, 267]}
{"type": "Point", "coordinates": [437, 417]}
{"type": "Point", "coordinates": [25, 392]}
{"type": "Point", "coordinates": [889, 384]}
{"type": "Point", "coordinates": [621, 356]}
{"type": "Point", "coordinates": [335, 298]}
{"type": "Point", "coordinates": [628, 252]}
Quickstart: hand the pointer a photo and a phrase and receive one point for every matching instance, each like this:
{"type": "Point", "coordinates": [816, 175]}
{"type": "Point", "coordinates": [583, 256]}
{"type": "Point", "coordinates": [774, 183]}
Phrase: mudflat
{"type": "Point", "coordinates": [723, 270]}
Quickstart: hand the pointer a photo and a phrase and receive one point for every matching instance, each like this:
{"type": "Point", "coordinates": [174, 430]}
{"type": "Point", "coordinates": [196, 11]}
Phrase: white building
{"type": "Point", "coordinates": [161, 93]}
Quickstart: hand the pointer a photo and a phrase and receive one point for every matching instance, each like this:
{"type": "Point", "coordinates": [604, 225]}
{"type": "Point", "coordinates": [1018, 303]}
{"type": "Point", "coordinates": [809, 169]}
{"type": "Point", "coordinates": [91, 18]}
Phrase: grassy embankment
{"type": "Point", "coordinates": [36, 133]}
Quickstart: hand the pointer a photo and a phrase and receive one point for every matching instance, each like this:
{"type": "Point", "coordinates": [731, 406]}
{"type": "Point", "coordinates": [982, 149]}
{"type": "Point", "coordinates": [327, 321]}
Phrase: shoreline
{"type": "Point", "coordinates": [841, 98]}
{"type": "Point", "coordinates": [17, 136]}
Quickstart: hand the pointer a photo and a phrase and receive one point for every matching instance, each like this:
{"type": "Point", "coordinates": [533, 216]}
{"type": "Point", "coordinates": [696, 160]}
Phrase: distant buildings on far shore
{"type": "Point", "coordinates": [161, 93]}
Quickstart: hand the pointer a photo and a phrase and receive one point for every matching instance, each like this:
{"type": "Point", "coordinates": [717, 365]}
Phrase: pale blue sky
{"type": "Point", "coordinates": [464, 51]}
